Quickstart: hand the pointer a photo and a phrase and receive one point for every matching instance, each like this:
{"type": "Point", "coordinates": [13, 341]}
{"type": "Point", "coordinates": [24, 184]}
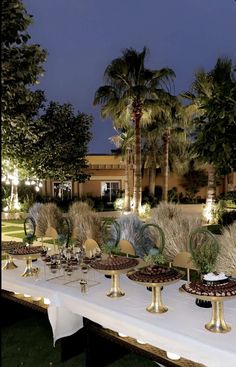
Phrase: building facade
{"type": "Point", "coordinates": [108, 179]}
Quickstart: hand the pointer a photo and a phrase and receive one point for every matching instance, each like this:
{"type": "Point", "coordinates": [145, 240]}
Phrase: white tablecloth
{"type": "Point", "coordinates": [180, 330]}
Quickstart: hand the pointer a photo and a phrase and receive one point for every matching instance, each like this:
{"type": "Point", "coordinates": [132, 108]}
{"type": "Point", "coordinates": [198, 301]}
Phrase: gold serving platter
{"type": "Point", "coordinates": [217, 323]}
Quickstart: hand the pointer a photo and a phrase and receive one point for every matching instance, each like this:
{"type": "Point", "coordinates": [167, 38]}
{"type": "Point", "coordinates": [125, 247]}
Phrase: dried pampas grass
{"type": "Point", "coordinates": [226, 261]}
{"type": "Point", "coordinates": [176, 226]}
{"type": "Point", "coordinates": [49, 216]}
{"type": "Point", "coordinates": [85, 222]}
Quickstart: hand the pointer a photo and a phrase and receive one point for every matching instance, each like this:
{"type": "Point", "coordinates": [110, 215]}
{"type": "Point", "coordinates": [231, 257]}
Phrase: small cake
{"type": "Point", "coordinates": [215, 278]}
{"type": "Point", "coordinates": [155, 274]}
{"type": "Point", "coordinates": [114, 263]}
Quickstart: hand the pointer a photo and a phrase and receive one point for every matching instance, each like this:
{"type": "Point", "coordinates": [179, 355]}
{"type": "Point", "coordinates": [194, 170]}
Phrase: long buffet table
{"type": "Point", "coordinates": [180, 330]}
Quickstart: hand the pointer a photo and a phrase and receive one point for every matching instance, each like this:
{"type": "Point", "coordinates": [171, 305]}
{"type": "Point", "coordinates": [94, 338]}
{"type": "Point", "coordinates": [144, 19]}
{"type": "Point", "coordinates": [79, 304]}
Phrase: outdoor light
{"type": "Point", "coordinates": [27, 182]}
{"type": "Point", "coordinates": [8, 182]}
{"type": "Point", "coordinates": [40, 184]}
{"type": "Point", "coordinates": [173, 356]}
{"type": "Point", "coordinates": [3, 178]}
{"type": "Point", "coordinates": [123, 335]}
{"type": "Point", "coordinates": [140, 341]}
{"type": "Point", "coordinates": [36, 188]}
{"type": "Point", "coordinates": [46, 301]}
{"type": "Point", "coordinates": [32, 182]}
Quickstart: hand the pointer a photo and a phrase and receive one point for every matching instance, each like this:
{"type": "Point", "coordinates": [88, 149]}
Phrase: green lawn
{"type": "Point", "coordinates": [6, 229]}
{"type": "Point", "coordinates": [17, 235]}
{"type": "Point", "coordinates": [16, 221]}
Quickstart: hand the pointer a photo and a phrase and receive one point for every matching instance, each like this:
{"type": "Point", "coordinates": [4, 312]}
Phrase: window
{"type": "Point", "coordinates": [110, 190]}
{"type": "Point", "coordinates": [62, 190]}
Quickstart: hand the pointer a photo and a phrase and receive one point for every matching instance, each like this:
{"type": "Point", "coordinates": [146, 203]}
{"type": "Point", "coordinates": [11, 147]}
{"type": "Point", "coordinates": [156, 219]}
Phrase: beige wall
{"type": "Point", "coordinates": [112, 169]}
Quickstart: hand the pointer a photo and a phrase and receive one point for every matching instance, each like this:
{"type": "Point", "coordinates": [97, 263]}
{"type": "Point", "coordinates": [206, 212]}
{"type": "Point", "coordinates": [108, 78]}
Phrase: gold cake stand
{"type": "Point", "coordinates": [29, 269]}
{"type": "Point", "coordinates": [157, 305]}
{"type": "Point", "coordinates": [9, 265]}
{"type": "Point", "coordinates": [217, 323]}
{"type": "Point", "coordinates": [115, 291]}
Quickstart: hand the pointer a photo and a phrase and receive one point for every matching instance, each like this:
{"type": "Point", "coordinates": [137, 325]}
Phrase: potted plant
{"type": "Point", "coordinates": [204, 249]}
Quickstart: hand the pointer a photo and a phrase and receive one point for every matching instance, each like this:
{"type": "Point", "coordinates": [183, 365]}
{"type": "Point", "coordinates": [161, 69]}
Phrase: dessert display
{"type": "Point", "coordinates": [114, 263]}
{"type": "Point", "coordinates": [215, 288]}
{"type": "Point", "coordinates": [114, 266]}
{"type": "Point", "coordinates": [212, 286]}
{"type": "Point", "coordinates": [7, 246]}
{"type": "Point", "coordinates": [25, 250]}
{"type": "Point", "coordinates": [27, 253]}
{"type": "Point", "coordinates": [155, 276]}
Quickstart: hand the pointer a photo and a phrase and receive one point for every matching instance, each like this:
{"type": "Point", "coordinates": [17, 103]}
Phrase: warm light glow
{"type": "Point", "coordinates": [122, 335]}
{"type": "Point", "coordinates": [46, 301]}
{"type": "Point", "coordinates": [40, 184]}
{"type": "Point", "coordinates": [37, 188]}
{"type": "Point", "coordinates": [27, 182]}
{"type": "Point", "coordinates": [36, 298]}
{"type": "Point", "coordinates": [173, 356]}
{"type": "Point", "coordinates": [16, 293]}
{"type": "Point", "coordinates": [27, 296]}
{"type": "Point", "coordinates": [207, 211]}
{"type": "Point", "coordinates": [32, 182]}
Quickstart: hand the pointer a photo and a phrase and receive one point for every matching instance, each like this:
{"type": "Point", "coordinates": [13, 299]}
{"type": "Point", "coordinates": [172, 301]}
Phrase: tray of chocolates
{"type": "Point", "coordinates": [154, 274]}
{"type": "Point", "coordinates": [212, 287]}
{"type": "Point", "coordinates": [7, 246]}
{"type": "Point", "coordinates": [25, 251]}
{"type": "Point", "coordinates": [114, 264]}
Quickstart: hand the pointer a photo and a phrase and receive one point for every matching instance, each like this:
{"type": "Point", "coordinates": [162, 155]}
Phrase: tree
{"type": "Point", "coordinates": [61, 146]}
{"type": "Point", "coordinates": [214, 95]}
{"type": "Point", "coordinates": [133, 93]}
{"type": "Point", "coordinates": [125, 142]}
{"type": "Point", "coordinates": [21, 67]}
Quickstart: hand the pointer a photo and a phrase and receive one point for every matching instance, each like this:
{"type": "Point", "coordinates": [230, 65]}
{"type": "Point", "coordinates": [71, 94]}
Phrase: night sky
{"type": "Point", "coordinates": [83, 36]}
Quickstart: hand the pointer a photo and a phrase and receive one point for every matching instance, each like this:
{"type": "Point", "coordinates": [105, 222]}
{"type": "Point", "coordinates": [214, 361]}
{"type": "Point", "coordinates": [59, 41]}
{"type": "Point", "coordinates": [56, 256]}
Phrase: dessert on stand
{"type": "Point", "coordinates": [155, 276]}
{"type": "Point", "coordinates": [27, 253]}
{"type": "Point", "coordinates": [7, 246]}
{"type": "Point", "coordinates": [215, 288]}
{"type": "Point", "coordinates": [114, 266]}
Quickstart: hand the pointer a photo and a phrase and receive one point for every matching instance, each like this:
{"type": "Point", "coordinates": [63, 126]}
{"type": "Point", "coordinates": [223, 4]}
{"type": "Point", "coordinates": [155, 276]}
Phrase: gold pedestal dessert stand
{"type": "Point", "coordinates": [156, 305]}
{"type": "Point", "coordinates": [9, 265]}
{"type": "Point", "coordinates": [29, 269]}
{"type": "Point", "coordinates": [115, 291]}
{"type": "Point", "coordinates": [217, 323]}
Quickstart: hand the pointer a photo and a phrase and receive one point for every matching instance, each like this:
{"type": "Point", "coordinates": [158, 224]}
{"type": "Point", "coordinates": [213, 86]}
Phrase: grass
{"type": "Point", "coordinates": [6, 229]}
{"type": "Point", "coordinates": [17, 221]}
{"type": "Point", "coordinates": [29, 342]}
{"type": "Point", "coordinates": [17, 235]}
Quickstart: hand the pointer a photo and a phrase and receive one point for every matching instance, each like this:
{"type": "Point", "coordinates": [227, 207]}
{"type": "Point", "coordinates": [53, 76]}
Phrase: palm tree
{"type": "Point", "coordinates": [206, 95]}
{"type": "Point", "coordinates": [124, 140]}
{"type": "Point", "coordinates": [133, 93]}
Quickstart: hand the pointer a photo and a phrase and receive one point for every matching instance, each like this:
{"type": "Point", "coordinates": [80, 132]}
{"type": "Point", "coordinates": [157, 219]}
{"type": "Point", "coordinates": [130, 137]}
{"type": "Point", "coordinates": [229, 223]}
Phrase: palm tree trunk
{"type": "Point", "coordinates": [166, 140]}
{"type": "Point", "coordinates": [127, 182]}
{"type": "Point", "coordinates": [137, 167]}
{"type": "Point", "coordinates": [211, 194]}
{"type": "Point", "coordinates": [152, 181]}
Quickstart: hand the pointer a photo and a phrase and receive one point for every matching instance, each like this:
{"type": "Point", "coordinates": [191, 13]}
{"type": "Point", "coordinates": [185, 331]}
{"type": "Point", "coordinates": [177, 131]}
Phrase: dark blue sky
{"type": "Point", "coordinates": [83, 36]}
